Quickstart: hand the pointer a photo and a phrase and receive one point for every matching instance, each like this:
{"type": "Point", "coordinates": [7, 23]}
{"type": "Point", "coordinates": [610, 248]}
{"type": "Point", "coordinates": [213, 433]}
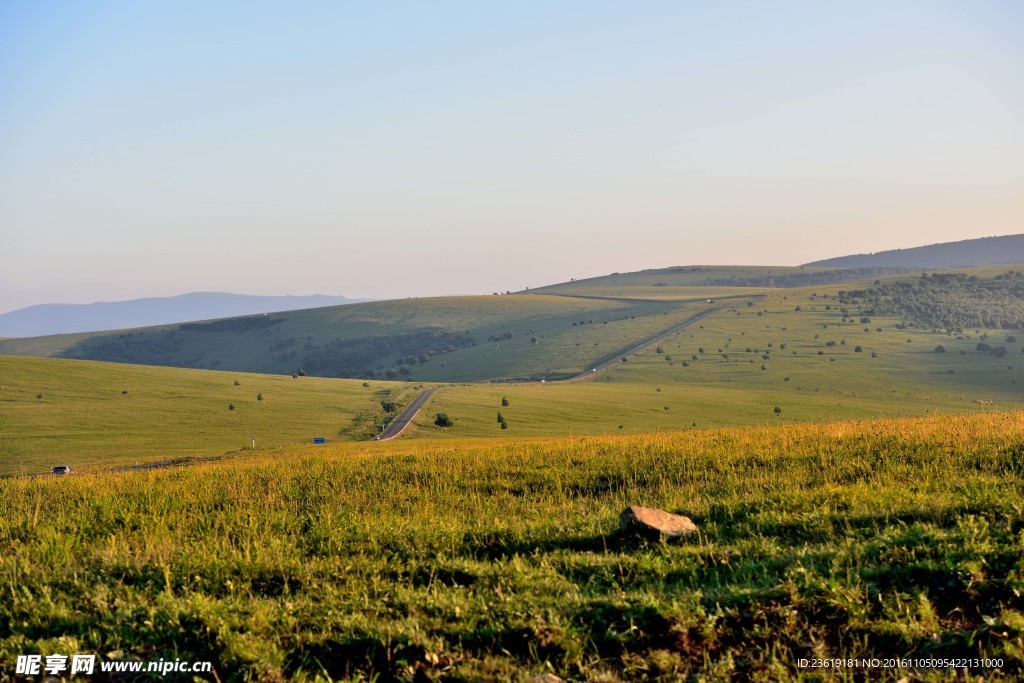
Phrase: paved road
{"type": "Point", "coordinates": [405, 417]}
{"type": "Point", "coordinates": [650, 342]}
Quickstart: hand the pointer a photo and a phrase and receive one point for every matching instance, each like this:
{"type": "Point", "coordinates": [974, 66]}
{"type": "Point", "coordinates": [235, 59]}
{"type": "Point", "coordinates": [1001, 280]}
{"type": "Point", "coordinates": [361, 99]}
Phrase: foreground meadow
{"type": "Point", "coordinates": [497, 560]}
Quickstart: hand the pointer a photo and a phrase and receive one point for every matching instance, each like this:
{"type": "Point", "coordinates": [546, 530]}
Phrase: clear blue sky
{"type": "Point", "coordinates": [397, 149]}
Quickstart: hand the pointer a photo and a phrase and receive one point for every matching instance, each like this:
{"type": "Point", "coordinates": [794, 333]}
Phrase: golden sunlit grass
{"type": "Point", "coordinates": [492, 560]}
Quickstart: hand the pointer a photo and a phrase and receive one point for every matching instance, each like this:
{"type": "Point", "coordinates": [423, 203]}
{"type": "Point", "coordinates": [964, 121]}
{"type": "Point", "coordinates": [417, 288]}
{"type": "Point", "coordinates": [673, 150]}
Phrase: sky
{"type": "Point", "coordinates": [412, 149]}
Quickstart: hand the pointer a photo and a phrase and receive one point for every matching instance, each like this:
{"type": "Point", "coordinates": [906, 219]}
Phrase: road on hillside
{"type": "Point", "coordinates": [399, 424]}
{"type": "Point", "coordinates": [650, 342]}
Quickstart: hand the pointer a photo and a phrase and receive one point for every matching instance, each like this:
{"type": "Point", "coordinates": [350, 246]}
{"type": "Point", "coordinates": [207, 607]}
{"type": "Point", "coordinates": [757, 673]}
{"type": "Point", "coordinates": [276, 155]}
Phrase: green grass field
{"type": "Point", "coordinates": [546, 336]}
{"type": "Point", "coordinates": [431, 561]}
{"type": "Point", "coordinates": [88, 415]}
{"type": "Point", "coordinates": [736, 367]}
{"type": "Point", "coordinates": [756, 355]}
{"type": "Point", "coordinates": [476, 553]}
{"type": "Point", "coordinates": [545, 333]}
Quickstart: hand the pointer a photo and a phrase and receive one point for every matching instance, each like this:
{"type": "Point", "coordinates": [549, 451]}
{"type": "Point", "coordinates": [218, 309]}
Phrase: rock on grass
{"type": "Point", "coordinates": [652, 524]}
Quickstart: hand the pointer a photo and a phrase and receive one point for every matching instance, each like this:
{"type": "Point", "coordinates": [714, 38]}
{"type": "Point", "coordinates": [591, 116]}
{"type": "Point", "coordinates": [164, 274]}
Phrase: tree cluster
{"type": "Point", "coordinates": [953, 301]}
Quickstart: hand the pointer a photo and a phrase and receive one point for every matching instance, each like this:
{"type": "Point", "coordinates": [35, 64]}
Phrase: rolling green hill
{"type": "Point", "coordinates": [549, 333]}
{"type": "Point", "coordinates": [886, 347]}
{"type": "Point", "coordinates": [688, 282]}
{"type": "Point", "coordinates": [817, 354]}
{"type": "Point", "coordinates": [436, 339]}
{"type": "Point", "coordinates": [87, 414]}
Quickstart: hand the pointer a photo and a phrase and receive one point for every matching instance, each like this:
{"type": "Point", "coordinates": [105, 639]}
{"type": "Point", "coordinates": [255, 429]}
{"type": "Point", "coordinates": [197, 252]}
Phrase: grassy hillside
{"type": "Point", "coordinates": [87, 414]}
{"type": "Point", "coordinates": [495, 561]}
{"type": "Point", "coordinates": [750, 360]}
{"type": "Point", "coordinates": [549, 333]}
{"type": "Point", "coordinates": [452, 339]}
{"type": "Point", "coordinates": [684, 282]}
{"type": "Point", "coordinates": [818, 363]}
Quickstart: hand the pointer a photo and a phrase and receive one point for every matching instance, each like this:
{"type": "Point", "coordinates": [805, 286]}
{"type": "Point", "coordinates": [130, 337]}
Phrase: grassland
{"type": "Point", "coordinates": [750, 360]}
{"type": "Point", "coordinates": [86, 414]}
{"type": "Point", "coordinates": [514, 336]}
{"type": "Point", "coordinates": [420, 561]}
{"type": "Point", "coordinates": [814, 364]}
{"type": "Point", "coordinates": [666, 280]}
{"type": "Point", "coordinates": [683, 282]}
{"type": "Point", "coordinates": [477, 553]}
{"type": "Point", "coordinates": [550, 333]}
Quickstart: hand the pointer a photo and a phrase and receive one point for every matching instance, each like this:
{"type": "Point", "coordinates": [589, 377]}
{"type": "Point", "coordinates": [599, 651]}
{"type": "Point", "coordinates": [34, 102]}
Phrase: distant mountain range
{"type": "Point", "coordinates": [986, 251]}
{"type": "Point", "coordinates": [44, 319]}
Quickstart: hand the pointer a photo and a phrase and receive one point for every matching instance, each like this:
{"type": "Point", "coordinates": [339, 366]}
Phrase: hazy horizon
{"type": "Point", "coordinates": [433, 294]}
{"type": "Point", "coordinates": [413, 150]}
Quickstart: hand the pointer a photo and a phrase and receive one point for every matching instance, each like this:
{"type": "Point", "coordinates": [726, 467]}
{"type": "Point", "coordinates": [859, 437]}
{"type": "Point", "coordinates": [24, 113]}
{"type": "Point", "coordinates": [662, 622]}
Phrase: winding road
{"type": "Point", "coordinates": [404, 418]}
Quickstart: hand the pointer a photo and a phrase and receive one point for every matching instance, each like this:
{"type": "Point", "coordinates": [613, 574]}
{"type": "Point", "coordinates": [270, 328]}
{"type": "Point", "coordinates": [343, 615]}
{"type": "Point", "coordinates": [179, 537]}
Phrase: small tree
{"type": "Point", "coordinates": [231, 407]}
{"type": "Point", "coordinates": [778, 410]}
{"type": "Point", "coordinates": [940, 349]}
{"type": "Point", "coordinates": [442, 420]}
{"type": "Point", "coordinates": [504, 402]}
{"type": "Point", "coordinates": [259, 397]}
